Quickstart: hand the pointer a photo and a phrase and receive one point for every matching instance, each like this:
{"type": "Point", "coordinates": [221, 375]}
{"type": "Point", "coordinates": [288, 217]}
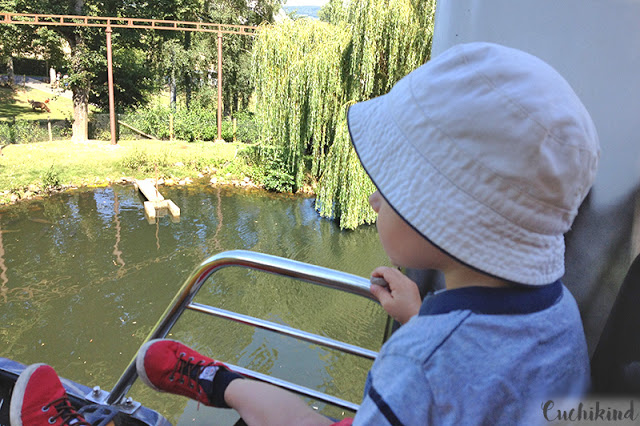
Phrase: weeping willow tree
{"type": "Point", "coordinates": [297, 78]}
{"type": "Point", "coordinates": [307, 72]}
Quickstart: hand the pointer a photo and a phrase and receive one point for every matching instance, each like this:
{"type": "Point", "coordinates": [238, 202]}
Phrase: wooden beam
{"type": "Point", "coordinates": [113, 22]}
{"type": "Point", "coordinates": [156, 205]}
{"type": "Point", "coordinates": [149, 190]}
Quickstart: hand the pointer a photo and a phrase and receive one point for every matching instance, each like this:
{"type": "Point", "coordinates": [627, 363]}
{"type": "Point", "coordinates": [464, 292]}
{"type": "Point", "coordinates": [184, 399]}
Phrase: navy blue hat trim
{"type": "Point", "coordinates": [493, 301]}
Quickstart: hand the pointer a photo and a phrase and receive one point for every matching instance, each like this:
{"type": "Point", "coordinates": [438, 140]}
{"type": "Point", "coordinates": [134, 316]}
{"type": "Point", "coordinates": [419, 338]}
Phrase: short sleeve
{"type": "Point", "coordinates": [398, 394]}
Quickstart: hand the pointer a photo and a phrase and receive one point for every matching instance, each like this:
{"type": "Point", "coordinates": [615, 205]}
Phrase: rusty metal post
{"type": "Point", "coordinates": [112, 108]}
{"type": "Point", "coordinates": [219, 86]}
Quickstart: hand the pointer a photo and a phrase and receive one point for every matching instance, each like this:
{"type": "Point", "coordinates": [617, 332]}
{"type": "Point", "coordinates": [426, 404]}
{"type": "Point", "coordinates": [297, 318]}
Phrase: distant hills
{"type": "Point", "coordinates": [311, 11]}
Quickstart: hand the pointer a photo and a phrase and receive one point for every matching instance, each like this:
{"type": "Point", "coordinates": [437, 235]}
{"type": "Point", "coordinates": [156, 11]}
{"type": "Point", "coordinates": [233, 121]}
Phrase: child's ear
{"type": "Point", "coordinates": [375, 201]}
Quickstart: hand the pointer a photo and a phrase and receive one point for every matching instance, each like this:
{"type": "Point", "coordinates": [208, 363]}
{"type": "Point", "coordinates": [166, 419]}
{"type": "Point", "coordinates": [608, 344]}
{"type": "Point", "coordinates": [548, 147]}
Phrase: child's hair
{"type": "Point", "coordinates": [488, 153]}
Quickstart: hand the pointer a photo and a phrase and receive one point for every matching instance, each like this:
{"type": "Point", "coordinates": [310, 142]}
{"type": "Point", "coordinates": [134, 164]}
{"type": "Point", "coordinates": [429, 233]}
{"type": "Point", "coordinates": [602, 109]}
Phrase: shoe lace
{"type": "Point", "coordinates": [189, 369]}
{"type": "Point", "coordinates": [66, 412]}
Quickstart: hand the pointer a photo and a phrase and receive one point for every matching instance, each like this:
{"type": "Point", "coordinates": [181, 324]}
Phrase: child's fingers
{"type": "Point", "coordinates": [381, 293]}
{"type": "Point", "coordinates": [387, 274]}
{"type": "Point", "coordinates": [401, 299]}
{"type": "Point", "coordinates": [395, 279]}
{"type": "Point", "coordinates": [380, 271]}
{"type": "Point", "coordinates": [379, 281]}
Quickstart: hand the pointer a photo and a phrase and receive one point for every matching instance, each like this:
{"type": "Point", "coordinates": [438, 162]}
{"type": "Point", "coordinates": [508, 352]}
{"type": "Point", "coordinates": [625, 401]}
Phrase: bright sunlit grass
{"type": "Point", "coordinates": [14, 103]}
{"type": "Point", "coordinates": [96, 162]}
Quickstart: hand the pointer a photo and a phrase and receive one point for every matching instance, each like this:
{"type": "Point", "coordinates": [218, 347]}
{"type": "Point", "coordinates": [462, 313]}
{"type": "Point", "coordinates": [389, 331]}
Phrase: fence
{"type": "Point", "coordinates": [28, 131]}
{"type": "Point", "coordinates": [188, 127]}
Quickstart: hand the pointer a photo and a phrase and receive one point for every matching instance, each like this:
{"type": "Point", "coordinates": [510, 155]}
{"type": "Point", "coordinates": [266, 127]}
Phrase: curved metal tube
{"type": "Point", "coordinates": [283, 329]}
{"type": "Point", "coordinates": [262, 262]}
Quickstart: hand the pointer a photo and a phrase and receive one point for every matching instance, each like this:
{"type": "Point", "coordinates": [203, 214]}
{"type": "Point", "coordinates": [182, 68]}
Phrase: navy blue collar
{"type": "Point", "coordinates": [493, 301]}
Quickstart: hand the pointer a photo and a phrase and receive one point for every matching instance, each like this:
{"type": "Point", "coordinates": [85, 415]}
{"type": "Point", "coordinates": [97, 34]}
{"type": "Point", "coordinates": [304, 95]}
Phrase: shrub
{"type": "Point", "coordinates": [199, 122]}
{"type": "Point", "coordinates": [152, 120]}
{"type": "Point", "coordinates": [227, 130]}
{"type": "Point", "coordinates": [278, 179]}
{"type": "Point", "coordinates": [6, 133]}
{"type": "Point", "coordinates": [195, 123]}
{"type": "Point", "coordinates": [144, 161]}
{"type": "Point", "coordinates": [270, 167]}
{"type": "Point", "coordinates": [51, 178]}
{"type": "Point", "coordinates": [135, 160]}
{"type": "Point", "coordinates": [63, 129]}
{"type": "Point", "coordinates": [247, 127]}
{"type": "Point", "coordinates": [24, 131]}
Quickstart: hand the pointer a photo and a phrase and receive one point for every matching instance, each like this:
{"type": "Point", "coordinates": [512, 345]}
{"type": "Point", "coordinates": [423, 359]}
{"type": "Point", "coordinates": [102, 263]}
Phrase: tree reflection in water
{"type": "Point", "coordinates": [3, 268]}
{"type": "Point", "coordinates": [84, 278]}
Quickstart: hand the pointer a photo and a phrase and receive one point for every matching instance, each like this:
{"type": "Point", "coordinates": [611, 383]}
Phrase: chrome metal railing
{"type": "Point", "coordinates": [262, 262]}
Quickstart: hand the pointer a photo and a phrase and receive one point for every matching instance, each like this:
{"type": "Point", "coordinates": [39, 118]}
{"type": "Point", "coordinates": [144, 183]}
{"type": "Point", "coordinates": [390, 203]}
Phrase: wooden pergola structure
{"type": "Point", "coordinates": [149, 24]}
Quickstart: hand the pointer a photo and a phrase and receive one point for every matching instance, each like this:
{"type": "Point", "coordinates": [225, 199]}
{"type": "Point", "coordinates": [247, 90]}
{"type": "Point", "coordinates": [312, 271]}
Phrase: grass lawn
{"type": "Point", "coordinates": [14, 103]}
{"type": "Point", "coordinates": [33, 167]}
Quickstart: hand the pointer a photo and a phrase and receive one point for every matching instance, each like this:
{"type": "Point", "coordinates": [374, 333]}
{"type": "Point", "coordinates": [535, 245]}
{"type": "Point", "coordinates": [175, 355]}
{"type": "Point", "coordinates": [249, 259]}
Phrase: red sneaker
{"type": "Point", "coordinates": [39, 398]}
{"type": "Point", "coordinates": [170, 366]}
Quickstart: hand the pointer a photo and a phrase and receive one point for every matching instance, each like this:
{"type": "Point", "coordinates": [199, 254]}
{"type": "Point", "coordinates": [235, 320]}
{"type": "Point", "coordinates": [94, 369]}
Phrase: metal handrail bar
{"type": "Point", "coordinates": [283, 329]}
{"type": "Point", "coordinates": [263, 262]}
{"type": "Point", "coordinates": [301, 390]}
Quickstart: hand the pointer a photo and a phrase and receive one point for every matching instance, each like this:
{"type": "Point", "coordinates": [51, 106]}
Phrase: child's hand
{"type": "Point", "coordinates": [402, 299]}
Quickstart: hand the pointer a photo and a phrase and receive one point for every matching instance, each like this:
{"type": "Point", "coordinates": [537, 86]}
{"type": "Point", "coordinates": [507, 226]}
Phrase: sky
{"type": "Point", "coordinates": [305, 2]}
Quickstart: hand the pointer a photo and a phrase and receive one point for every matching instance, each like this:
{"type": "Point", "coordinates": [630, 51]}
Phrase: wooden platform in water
{"type": "Point", "coordinates": [155, 205]}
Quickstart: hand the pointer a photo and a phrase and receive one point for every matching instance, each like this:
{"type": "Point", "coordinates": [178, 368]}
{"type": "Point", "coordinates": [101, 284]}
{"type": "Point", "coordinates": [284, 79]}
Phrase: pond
{"type": "Point", "coordinates": [84, 278]}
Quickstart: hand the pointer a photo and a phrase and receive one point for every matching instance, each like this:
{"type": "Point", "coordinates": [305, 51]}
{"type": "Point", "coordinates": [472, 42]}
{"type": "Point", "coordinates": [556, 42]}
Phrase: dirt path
{"type": "Point", "coordinates": [40, 85]}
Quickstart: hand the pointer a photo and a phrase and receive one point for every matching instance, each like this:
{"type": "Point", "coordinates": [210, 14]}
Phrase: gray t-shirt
{"type": "Point", "coordinates": [480, 355]}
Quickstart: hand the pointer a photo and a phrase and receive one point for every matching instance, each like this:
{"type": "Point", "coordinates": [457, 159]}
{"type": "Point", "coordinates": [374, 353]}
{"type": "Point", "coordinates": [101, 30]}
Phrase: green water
{"type": "Point", "coordinates": [84, 278]}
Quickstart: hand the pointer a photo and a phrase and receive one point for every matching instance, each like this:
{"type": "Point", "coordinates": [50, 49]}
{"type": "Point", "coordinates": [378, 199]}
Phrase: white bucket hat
{"type": "Point", "coordinates": [487, 152]}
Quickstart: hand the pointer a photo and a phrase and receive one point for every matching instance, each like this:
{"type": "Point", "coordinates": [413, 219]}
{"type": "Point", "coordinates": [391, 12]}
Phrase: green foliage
{"type": "Point", "coordinates": [306, 72]}
{"type": "Point", "coordinates": [152, 119]}
{"type": "Point", "coordinates": [23, 131]}
{"type": "Point", "coordinates": [333, 12]}
{"type": "Point", "coordinates": [278, 179]}
{"type": "Point", "coordinates": [344, 195]}
{"type": "Point", "coordinates": [197, 123]}
{"type": "Point", "coordinates": [246, 127]}
{"type": "Point", "coordinates": [51, 178]}
{"type": "Point", "coordinates": [30, 131]}
{"type": "Point", "coordinates": [237, 82]}
{"type": "Point", "coordinates": [145, 161]}
{"type": "Point", "coordinates": [276, 174]}
{"type": "Point", "coordinates": [6, 133]}
{"type": "Point", "coordinates": [132, 77]}
{"type": "Point", "coordinates": [189, 61]}
{"type": "Point", "coordinates": [298, 83]}
{"type": "Point", "coordinates": [50, 46]}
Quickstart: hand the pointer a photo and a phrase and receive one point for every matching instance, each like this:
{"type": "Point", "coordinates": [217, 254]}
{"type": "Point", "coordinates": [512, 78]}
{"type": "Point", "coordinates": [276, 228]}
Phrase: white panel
{"type": "Point", "coordinates": [594, 44]}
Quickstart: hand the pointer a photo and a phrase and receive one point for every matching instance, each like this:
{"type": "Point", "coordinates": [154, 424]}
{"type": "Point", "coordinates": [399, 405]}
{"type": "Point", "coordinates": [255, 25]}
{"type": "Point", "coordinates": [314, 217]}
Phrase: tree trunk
{"type": "Point", "coordinates": [10, 75]}
{"type": "Point", "coordinates": [235, 103]}
{"type": "Point", "coordinates": [173, 91]}
{"type": "Point", "coordinates": [229, 100]}
{"type": "Point", "coordinates": [80, 126]}
{"type": "Point", "coordinates": [172, 88]}
{"type": "Point", "coordinates": [187, 73]}
{"type": "Point", "coordinates": [80, 89]}
{"type": "Point", "coordinates": [245, 102]}
{"type": "Point", "coordinates": [187, 89]}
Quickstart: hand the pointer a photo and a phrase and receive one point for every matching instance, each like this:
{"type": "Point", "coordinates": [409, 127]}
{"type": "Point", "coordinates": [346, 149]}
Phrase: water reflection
{"type": "Point", "coordinates": [84, 278]}
{"type": "Point", "coordinates": [116, 219]}
{"type": "Point", "coordinates": [3, 268]}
